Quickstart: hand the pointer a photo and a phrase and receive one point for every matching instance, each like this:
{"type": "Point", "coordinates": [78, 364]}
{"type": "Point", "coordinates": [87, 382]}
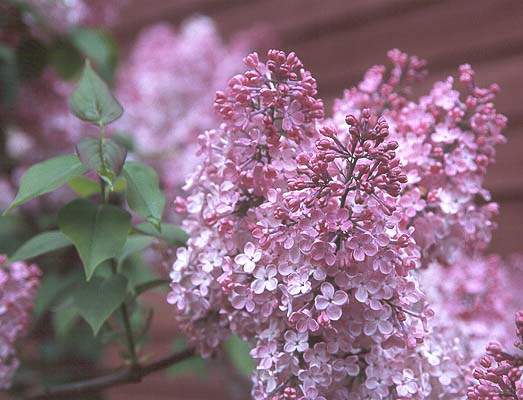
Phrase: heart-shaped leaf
{"type": "Point", "coordinates": [143, 191]}
{"type": "Point", "coordinates": [92, 100]}
{"type": "Point", "coordinates": [41, 244]}
{"type": "Point", "coordinates": [64, 316]}
{"type": "Point", "coordinates": [99, 233]}
{"type": "Point", "coordinates": [47, 176]}
{"type": "Point", "coordinates": [97, 299]}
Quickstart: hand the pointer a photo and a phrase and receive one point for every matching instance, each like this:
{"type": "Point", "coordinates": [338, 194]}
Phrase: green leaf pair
{"type": "Point", "coordinates": [104, 156]}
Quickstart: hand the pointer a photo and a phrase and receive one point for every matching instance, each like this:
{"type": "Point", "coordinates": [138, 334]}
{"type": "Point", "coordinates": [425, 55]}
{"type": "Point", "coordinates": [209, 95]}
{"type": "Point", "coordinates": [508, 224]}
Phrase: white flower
{"type": "Point", "coordinates": [248, 258]}
{"type": "Point", "coordinates": [265, 279]}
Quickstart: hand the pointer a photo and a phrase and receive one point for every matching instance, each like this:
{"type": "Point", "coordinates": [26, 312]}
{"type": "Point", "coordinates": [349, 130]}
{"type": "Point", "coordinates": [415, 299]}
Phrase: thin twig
{"type": "Point", "coordinates": [133, 374]}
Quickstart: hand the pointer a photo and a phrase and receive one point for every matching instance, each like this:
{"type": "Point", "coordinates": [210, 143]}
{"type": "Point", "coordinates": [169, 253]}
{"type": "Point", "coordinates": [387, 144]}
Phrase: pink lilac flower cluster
{"type": "Point", "coordinates": [18, 285]}
{"type": "Point", "coordinates": [446, 142]}
{"type": "Point", "coordinates": [167, 86]}
{"type": "Point", "coordinates": [498, 375]}
{"type": "Point", "coordinates": [299, 245]}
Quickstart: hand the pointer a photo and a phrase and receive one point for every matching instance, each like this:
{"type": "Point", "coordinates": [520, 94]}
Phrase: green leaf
{"type": "Point", "coordinates": [146, 286]}
{"type": "Point", "coordinates": [103, 156]}
{"type": "Point", "coordinates": [65, 58]}
{"type": "Point", "coordinates": [170, 233]}
{"type": "Point", "coordinates": [134, 244]}
{"type": "Point", "coordinates": [92, 100]}
{"type": "Point", "coordinates": [99, 233]}
{"type": "Point", "coordinates": [52, 287]}
{"type": "Point", "coordinates": [98, 46]}
{"type": "Point", "coordinates": [120, 185]}
{"type": "Point", "coordinates": [8, 76]}
{"type": "Point", "coordinates": [124, 140]}
{"type": "Point", "coordinates": [83, 186]}
{"type": "Point", "coordinates": [239, 353]}
{"type": "Point", "coordinates": [14, 231]}
{"type": "Point", "coordinates": [137, 271]}
{"type": "Point", "coordinates": [64, 317]}
{"type": "Point", "coordinates": [97, 299]}
{"type": "Point", "coordinates": [41, 244]}
{"type": "Point", "coordinates": [47, 176]}
{"type": "Point", "coordinates": [143, 191]}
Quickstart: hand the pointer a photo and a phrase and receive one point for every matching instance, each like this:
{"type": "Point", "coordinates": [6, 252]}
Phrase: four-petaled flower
{"type": "Point", "coordinates": [331, 301]}
{"type": "Point", "coordinates": [248, 258]}
{"type": "Point", "coordinates": [265, 279]}
{"type": "Point", "coordinates": [296, 341]}
{"type": "Point", "coordinates": [362, 245]}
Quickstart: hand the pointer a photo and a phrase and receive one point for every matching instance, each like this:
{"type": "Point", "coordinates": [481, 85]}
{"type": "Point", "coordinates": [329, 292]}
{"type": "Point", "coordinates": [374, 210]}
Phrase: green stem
{"type": "Point", "coordinates": [124, 311]}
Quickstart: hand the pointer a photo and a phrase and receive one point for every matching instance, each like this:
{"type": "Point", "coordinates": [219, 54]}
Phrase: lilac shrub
{"type": "Point", "coordinates": [347, 250]}
{"type": "Point", "coordinates": [18, 285]}
{"type": "Point", "coordinates": [308, 236]}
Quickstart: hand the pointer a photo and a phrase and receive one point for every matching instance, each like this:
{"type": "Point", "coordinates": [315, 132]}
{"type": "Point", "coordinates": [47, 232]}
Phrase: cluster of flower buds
{"type": "Point", "coordinates": [279, 93]}
{"type": "Point", "coordinates": [499, 373]}
{"type": "Point", "coordinates": [297, 245]}
{"type": "Point", "coordinates": [18, 286]}
{"type": "Point", "coordinates": [446, 141]}
{"type": "Point", "coordinates": [368, 164]}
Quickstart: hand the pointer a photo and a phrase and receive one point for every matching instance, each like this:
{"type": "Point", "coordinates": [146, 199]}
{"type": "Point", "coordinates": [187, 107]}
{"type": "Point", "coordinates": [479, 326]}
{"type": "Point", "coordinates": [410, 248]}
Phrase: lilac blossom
{"type": "Point", "coordinates": [18, 285]}
{"type": "Point", "coordinates": [303, 216]}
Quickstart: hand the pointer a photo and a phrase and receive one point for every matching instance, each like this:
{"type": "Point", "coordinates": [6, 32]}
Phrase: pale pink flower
{"type": "Point", "coordinates": [248, 258]}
